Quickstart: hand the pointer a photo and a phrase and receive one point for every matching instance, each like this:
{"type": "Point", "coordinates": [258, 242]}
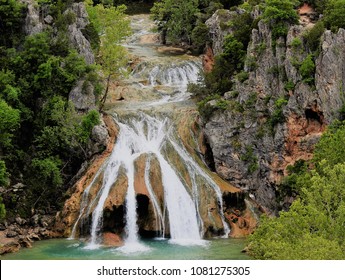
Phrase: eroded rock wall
{"type": "Point", "coordinates": [249, 149]}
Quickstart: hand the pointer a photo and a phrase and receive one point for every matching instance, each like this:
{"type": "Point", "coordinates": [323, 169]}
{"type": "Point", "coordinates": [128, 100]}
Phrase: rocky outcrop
{"type": "Point", "coordinates": [218, 28]}
{"type": "Point", "coordinates": [276, 117]}
{"type": "Point", "coordinates": [33, 23]}
{"type": "Point", "coordinates": [82, 96]}
{"type": "Point", "coordinates": [21, 233]}
{"type": "Point", "coordinates": [76, 37]}
{"type": "Point", "coordinates": [67, 217]}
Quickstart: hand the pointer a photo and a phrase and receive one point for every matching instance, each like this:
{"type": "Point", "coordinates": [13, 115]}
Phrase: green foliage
{"type": "Point", "coordinates": [313, 36]}
{"type": "Point", "coordinates": [3, 174]}
{"type": "Point", "coordinates": [241, 26]}
{"type": "Point", "coordinates": [313, 228]}
{"type": "Point", "coordinates": [330, 147]}
{"type": "Point", "coordinates": [113, 26]}
{"type": "Point", "coordinates": [226, 65]}
{"type": "Point", "coordinates": [334, 14]}
{"type": "Point", "coordinates": [242, 76]}
{"type": "Point", "coordinates": [2, 210]}
{"type": "Point", "coordinates": [43, 140]}
{"type": "Point", "coordinates": [9, 122]}
{"type": "Point", "coordinates": [206, 107]}
{"type": "Point", "coordinates": [87, 123]}
{"type": "Point", "coordinates": [250, 158]}
{"type": "Point", "coordinates": [279, 14]}
{"type": "Point", "coordinates": [307, 69]}
{"type": "Point", "coordinates": [277, 115]}
{"type": "Point", "coordinates": [11, 20]}
{"type": "Point", "coordinates": [177, 19]}
{"type": "Point", "coordinates": [296, 43]}
{"type": "Point", "coordinates": [289, 85]}
{"type": "Point", "coordinates": [200, 37]}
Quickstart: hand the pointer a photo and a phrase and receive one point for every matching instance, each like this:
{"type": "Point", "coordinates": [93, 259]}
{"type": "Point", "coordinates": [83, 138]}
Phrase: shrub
{"type": "Point", "coordinates": [200, 37]}
{"type": "Point", "coordinates": [279, 14]}
{"type": "Point", "coordinates": [307, 69]}
{"type": "Point", "coordinates": [249, 157]}
{"type": "Point", "coordinates": [334, 14]}
{"type": "Point", "coordinates": [289, 86]}
{"type": "Point", "coordinates": [242, 76]}
{"type": "Point", "coordinates": [313, 36]}
{"type": "Point", "coordinates": [277, 114]}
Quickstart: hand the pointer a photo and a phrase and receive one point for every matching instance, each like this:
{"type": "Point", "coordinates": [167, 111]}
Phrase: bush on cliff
{"type": "Point", "coordinates": [313, 228]}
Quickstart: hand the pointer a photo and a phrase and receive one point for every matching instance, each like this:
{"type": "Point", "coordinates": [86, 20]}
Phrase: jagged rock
{"type": "Point", "coordinates": [330, 73]}
{"type": "Point", "coordinates": [10, 247]}
{"type": "Point", "coordinates": [11, 234]}
{"type": "Point", "coordinates": [100, 134]}
{"type": "Point", "coordinates": [218, 28]}
{"type": "Point", "coordinates": [48, 19]}
{"type": "Point", "coordinates": [82, 96]}
{"type": "Point", "coordinates": [76, 37]}
{"type": "Point", "coordinates": [33, 25]}
{"type": "Point", "coordinates": [20, 221]}
{"type": "Point", "coordinates": [245, 151]}
{"type": "Point", "coordinates": [35, 220]}
{"type": "Point", "coordinates": [46, 221]}
{"type": "Point", "coordinates": [18, 187]}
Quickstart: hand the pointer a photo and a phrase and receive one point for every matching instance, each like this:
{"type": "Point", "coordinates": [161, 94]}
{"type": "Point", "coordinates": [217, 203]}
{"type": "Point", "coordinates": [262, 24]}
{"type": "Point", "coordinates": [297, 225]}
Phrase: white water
{"type": "Point", "coordinates": [147, 134]}
{"type": "Point", "coordinates": [159, 216]}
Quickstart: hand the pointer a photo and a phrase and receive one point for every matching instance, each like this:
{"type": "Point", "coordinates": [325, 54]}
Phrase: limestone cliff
{"type": "Point", "coordinates": [250, 146]}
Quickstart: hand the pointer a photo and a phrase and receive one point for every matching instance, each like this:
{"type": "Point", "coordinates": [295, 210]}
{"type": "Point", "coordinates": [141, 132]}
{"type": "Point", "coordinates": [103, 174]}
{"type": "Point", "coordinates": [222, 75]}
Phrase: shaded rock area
{"type": "Point", "coordinates": [21, 233]}
{"type": "Point", "coordinates": [250, 146]}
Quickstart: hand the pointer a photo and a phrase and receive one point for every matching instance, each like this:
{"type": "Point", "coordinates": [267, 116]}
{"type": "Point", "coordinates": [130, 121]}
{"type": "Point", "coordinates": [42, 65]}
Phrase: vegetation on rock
{"type": "Point", "coordinates": [43, 139]}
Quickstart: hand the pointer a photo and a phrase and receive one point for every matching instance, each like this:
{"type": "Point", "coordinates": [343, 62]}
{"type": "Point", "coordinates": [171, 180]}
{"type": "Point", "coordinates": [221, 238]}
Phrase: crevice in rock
{"type": "Point", "coordinates": [312, 116]}
{"type": "Point", "coordinates": [234, 200]}
{"type": "Point", "coordinates": [208, 156]}
{"type": "Point", "coordinates": [113, 221]}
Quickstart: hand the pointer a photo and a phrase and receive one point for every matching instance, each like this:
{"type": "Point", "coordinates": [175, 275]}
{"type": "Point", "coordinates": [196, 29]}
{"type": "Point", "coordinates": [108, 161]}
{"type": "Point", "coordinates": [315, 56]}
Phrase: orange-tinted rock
{"type": "Point", "coordinates": [67, 217]}
{"type": "Point", "coordinates": [112, 239]}
{"type": "Point", "coordinates": [208, 60]}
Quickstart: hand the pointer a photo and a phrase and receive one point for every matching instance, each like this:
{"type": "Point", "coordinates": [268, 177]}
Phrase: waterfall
{"type": "Point", "coordinates": [156, 208]}
{"type": "Point", "coordinates": [147, 135]}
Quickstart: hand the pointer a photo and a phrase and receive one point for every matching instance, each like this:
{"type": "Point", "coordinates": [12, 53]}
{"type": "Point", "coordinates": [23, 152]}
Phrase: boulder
{"type": "Point", "coordinates": [82, 96]}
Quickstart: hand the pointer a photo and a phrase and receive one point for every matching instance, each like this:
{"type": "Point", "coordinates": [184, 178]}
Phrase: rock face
{"type": "Point", "coordinates": [250, 146]}
{"type": "Point", "coordinates": [218, 28]}
{"type": "Point", "coordinates": [76, 37]}
{"type": "Point", "coordinates": [82, 96]}
{"type": "Point", "coordinates": [33, 24]}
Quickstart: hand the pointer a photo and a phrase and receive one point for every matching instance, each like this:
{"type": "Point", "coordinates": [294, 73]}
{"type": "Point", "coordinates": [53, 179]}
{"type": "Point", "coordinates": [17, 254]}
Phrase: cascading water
{"type": "Point", "coordinates": [147, 130]}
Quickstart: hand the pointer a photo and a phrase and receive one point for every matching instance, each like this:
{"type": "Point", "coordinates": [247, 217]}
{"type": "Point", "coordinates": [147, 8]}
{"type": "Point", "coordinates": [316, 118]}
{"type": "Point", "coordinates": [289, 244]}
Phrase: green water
{"type": "Point", "coordinates": [63, 249]}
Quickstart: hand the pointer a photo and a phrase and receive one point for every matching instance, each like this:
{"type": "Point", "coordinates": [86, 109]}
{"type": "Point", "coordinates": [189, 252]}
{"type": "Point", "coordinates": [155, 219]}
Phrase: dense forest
{"type": "Point", "coordinates": [45, 139]}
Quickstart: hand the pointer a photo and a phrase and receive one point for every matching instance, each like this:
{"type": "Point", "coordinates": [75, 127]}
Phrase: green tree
{"type": "Point", "coordinates": [113, 26]}
{"type": "Point", "coordinates": [11, 20]}
{"type": "Point", "coordinates": [279, 14]}
{"type": "Point", "coordinates": [313, 228]}
{"type": "Point", "coordinates": [9, 122]}
{"type": "Point", "coordinates": [307, 69]}
{"type": "Point", "coordinates": [177, 19]}
{"type": "Point", "coordinates": [2, 210]}
{"type": "Point", "coordinates": [334, 14]}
